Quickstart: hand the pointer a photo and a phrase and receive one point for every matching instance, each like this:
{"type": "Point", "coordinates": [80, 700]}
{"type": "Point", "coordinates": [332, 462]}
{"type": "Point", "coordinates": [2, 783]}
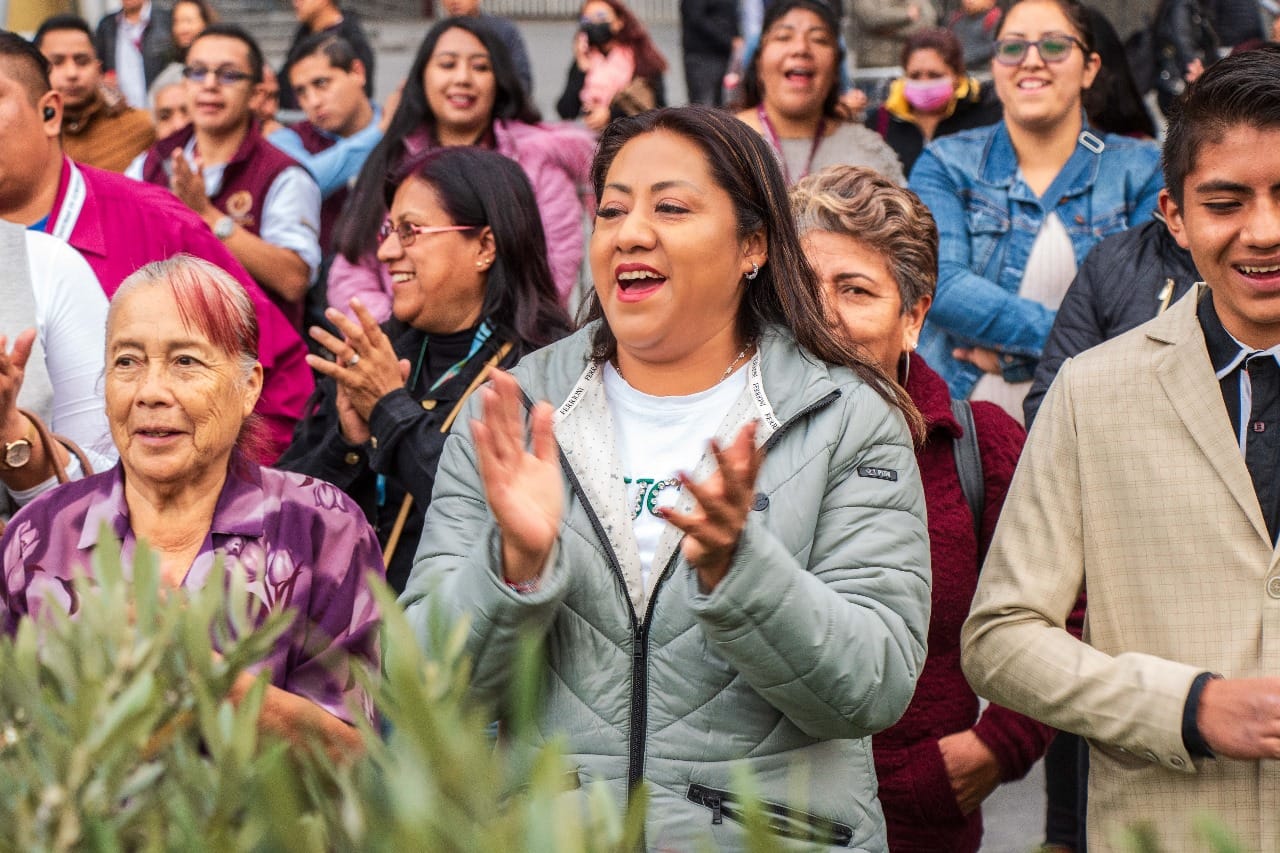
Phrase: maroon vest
{"type": "Point", "coordinates": [315, 141]}
{"type": "Point", "coordinates": [245, 182]}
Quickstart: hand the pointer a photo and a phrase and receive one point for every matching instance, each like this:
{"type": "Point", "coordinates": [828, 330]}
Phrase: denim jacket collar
{"type": "Point", "coordinates": [1000, 166]}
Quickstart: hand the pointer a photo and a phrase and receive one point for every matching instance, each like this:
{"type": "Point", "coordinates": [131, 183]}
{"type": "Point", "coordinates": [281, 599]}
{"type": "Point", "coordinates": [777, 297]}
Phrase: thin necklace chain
{"type": "Point", "coordinates": [727, 371]}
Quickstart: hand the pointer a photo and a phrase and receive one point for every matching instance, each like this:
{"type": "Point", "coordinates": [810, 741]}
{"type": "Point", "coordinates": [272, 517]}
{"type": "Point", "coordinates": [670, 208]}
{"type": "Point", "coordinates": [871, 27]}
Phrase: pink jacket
{"type": "Point", "coordinates": [555, 157]}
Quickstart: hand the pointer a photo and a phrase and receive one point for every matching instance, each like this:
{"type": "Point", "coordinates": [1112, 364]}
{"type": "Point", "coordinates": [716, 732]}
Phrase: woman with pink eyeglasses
{"type": "Point", "coordinates": [471, 290]}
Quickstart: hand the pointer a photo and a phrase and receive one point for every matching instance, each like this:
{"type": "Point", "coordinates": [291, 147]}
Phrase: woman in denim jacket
{"type": "Point", "coordinates": [1020, 203]}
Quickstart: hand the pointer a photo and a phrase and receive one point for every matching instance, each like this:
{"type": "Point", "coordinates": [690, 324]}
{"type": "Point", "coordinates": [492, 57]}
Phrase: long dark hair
{"type": "Point", "coordinates": [786, 292]}
{"type": "Point", "coordinates": [478, 188]}
{"type": "Point", "coordinates": [1113, 102]}
{"type": "Point", "coordinates": [753, 92]}
{"type": "Point", "coordinates": [357, 229]}
{"type": "Point", "coordinates": [649, 60]}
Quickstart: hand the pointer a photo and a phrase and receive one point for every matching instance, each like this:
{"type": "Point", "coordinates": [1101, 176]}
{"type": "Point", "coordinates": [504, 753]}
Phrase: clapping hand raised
{"type": "Point", "coordinates": [523, 485]}
{"type": "Point", "coordinates": [13, 365]}
{"type": "Point", "coordinates": [714, 526]}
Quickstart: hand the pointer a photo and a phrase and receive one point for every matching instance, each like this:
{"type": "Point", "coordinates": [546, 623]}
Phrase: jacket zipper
{"type": "Point", "coordinates": [778, 819]}
{"type": "Point", "coordinates": [640, 631]}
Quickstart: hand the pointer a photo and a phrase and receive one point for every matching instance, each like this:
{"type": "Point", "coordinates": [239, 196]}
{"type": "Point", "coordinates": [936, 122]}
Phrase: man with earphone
{"type": "Point", "coordinates": [118, 224]}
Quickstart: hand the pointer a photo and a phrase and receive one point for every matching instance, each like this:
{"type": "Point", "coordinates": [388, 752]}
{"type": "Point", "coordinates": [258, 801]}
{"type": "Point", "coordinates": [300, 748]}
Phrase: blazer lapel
{"type": "Point", "coordinates": [1187, 377]}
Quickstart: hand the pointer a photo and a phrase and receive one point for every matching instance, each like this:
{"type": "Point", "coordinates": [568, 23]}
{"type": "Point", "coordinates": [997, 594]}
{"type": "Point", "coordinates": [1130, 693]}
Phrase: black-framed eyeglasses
{"type": "Point", "coordinates": [224, 74]}
{"type": "Point", "coordinates": [407, 232]}
{"type": "Point", "coordinates": [1053, 48]}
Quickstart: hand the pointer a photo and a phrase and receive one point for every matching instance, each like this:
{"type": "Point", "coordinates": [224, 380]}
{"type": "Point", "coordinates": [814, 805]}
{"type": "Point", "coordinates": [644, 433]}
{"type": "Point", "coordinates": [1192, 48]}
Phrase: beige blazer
{"type": "Point", "coordinates": [1132, 484]}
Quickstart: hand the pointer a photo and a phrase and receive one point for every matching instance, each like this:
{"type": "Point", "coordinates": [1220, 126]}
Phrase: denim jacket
{"type": "Point", "coordinates": [988, 219]}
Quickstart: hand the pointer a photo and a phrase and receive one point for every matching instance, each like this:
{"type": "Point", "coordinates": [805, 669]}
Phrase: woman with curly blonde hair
{"type": "Point", "coordinates": [875, 248]}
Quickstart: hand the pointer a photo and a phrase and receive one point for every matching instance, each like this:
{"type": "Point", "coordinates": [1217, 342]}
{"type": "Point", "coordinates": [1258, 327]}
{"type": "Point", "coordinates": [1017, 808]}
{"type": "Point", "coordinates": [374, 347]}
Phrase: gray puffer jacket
{"type": "Point", "coordinates": [810, 644]}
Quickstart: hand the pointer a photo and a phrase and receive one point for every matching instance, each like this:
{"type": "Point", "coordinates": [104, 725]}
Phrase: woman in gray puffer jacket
{"type": "Point", "coordinates": [764, 612]}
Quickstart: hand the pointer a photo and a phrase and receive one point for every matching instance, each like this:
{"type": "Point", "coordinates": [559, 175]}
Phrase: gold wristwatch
{"type": "Point", "coordinates": [17, 453]}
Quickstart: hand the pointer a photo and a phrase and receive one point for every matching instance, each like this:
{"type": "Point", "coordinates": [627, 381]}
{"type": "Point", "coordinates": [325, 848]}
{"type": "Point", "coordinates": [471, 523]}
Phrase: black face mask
{"type": "Point", "coordinates": [598, 33]}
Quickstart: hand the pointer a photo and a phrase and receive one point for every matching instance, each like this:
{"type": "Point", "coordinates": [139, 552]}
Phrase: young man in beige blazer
{"type": "Point", "coordinates": [1152, 477]}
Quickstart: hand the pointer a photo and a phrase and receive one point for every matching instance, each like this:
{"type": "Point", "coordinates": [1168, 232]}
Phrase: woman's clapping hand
{"type": "Point", "coordinates": [13, 365]}
{"type": "Point", "coordinates": [366, 368]}
{"type": "Point", "coordinates": [522, 484]}
{"type": "Point", "coordinates": [715, 524]}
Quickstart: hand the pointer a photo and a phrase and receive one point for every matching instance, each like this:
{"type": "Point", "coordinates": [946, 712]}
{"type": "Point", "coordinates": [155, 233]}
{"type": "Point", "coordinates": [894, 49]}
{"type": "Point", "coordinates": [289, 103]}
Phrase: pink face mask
{"type": "Point", "coordinates": [929, 95]}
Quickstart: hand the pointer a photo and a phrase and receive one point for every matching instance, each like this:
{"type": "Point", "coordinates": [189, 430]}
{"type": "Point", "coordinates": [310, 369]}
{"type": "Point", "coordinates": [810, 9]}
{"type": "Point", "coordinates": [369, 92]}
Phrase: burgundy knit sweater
{"type": "Point", "coordinates": [919, 807]}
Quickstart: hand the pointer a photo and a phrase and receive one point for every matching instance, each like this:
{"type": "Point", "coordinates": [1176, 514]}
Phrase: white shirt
{"type": "Point", "coordinates": [131, 72]}
{"type": "Point", "coordinates": [1051, 267]}
{"type": "Point", "coordinates": [71, 323]}
{"type": "Point", "coordinates": [657, 438]}
{"type": "Point", "coordinates": [290, 212]}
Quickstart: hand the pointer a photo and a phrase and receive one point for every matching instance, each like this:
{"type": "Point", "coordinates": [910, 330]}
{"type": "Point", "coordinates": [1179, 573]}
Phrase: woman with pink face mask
{"type": "Point", "coordinates": [934, 97]}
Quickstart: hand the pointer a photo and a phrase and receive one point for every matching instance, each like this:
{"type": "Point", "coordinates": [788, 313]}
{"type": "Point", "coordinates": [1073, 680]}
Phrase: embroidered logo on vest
{"type": "Point", "coordinates": [239, 206]}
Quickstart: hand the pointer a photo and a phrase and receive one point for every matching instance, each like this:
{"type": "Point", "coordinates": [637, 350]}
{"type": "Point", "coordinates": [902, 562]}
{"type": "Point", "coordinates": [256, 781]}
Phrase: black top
{"type": "Point", "coordinates": [408, 438]}
{"type": "Point", "coordinates": [1123, 282]}
{"type": "Point", "coordinates": [708, 27]}
{"type": "Point", "coordinates": [1250, 376]}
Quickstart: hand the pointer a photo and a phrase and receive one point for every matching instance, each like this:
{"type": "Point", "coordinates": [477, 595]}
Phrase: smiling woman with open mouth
{"type": "Point", "coordinates": [719, 534]}
{"type": "Point", "coordinates": [790, 93]}
{"type": "Point", "coordinates": [1020, 203]}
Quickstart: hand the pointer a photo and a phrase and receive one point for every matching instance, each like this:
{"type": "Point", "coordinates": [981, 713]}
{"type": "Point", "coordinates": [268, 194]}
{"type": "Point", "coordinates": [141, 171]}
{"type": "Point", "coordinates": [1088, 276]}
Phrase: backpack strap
{"type": "Point", "coordinates": [969, 463]}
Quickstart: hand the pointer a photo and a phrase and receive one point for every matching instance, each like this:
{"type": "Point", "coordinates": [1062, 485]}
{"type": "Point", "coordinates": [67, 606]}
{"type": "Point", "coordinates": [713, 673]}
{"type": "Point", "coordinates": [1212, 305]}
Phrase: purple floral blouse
{"type": "Point", "coordinates": [301, 543]}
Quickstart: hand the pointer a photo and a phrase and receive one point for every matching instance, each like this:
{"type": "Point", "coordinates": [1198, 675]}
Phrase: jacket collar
{"type": "Point", "coordinates": [85, 222]}
{"type": "Point", "coordinates": [929, 392]}
{"type": "Point", "coordinates": [784, 381]}
{"type": "Point", "coordinates": [1186, 374]}
{"type": "Point", "coordinates": [240, 510]}
{"type": "Point", "coordinates": [1000, 165]}
{"type": "Point", "coordinates": [896, 102]}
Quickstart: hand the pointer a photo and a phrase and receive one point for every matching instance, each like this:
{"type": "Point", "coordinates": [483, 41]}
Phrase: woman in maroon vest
{"type": "Point", "coordinates": [462, 89]}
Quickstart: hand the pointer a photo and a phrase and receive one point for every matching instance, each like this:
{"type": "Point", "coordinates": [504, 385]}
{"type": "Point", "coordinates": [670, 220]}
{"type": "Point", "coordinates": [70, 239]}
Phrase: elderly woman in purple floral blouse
{"type": "Point", "coordinates": [182, 378]}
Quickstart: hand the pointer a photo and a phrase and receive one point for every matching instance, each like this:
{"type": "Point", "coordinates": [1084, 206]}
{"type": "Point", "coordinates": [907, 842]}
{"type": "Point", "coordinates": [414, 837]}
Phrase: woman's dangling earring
{"type": "Point", "coordinates": [755, 271]}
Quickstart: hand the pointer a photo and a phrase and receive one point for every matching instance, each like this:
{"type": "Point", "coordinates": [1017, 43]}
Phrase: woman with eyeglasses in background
{"type": "Point", "coordinates": [1020, 203]}
{"type": "Point", "coordinates": [472, 290]}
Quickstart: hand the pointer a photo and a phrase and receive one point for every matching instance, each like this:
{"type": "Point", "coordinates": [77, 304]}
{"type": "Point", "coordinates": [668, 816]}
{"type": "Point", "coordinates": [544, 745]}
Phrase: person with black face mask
{"type": "Point", "coordinates": [616, 71]}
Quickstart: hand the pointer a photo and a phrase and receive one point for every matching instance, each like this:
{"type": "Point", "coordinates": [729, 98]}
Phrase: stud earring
{"type": "Point", "coordinates": [755, 271]}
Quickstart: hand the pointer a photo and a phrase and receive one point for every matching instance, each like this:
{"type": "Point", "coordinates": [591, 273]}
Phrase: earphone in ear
{"type": "Point", "coordinates": [49, 113]}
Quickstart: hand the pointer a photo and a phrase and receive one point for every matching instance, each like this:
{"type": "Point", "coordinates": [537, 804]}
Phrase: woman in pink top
{"type": "Point", "coordinates": [463, 90]}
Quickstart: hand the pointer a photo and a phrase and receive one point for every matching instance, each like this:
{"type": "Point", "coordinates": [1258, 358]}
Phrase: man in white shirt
{"type": "Point", "coordinates": [256, 199]}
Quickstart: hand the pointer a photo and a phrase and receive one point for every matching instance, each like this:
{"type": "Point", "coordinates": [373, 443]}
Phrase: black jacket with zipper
{"type": "Point", "coordinates": [1121, 284]}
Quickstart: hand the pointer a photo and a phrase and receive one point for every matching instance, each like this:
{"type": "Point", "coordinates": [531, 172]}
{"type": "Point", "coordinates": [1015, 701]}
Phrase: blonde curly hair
{"type": "Point", "coordinates": [861, 203]}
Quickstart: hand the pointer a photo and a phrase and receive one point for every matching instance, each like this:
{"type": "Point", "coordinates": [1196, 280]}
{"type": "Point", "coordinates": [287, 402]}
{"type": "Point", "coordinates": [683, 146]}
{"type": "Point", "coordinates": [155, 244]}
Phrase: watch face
{"type": "Point", "coordinates": [17, 453]}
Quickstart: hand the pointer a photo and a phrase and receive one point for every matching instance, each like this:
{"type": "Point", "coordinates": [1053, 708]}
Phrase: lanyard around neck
{"type": "Point", "coordinates": [772, 135]}
{"type": "Point", "coordinates": [482, 334]}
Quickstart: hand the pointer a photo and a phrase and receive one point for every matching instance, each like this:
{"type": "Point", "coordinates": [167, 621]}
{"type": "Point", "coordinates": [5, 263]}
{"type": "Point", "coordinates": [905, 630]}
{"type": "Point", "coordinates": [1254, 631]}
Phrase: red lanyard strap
{"type": "Point", "coordinates": [772, 136]}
